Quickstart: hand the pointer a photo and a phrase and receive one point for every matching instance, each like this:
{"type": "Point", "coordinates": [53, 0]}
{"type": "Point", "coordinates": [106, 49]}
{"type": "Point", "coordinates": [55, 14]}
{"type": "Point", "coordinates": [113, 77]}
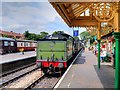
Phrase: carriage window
{"type": "Point", "coordinates": [21, 44]}
{"type": "Point", "coordinates": [5, 43]}
{"type": "Point", "coordinates": [11, 43]}
{"type": "Point", "coordinates": [25, 44]}
{"type": "Point", "coordinates": [30, 44]}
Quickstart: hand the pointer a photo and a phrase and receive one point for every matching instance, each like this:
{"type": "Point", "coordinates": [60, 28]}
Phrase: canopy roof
{"type": "Point", "coordinates": [77, 13]}
{"type": "Point", "coordinates": [71, 13]}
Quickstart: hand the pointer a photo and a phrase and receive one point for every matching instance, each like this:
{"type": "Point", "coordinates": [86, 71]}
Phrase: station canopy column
{"type": "Point", "coordinates": [117, 40]}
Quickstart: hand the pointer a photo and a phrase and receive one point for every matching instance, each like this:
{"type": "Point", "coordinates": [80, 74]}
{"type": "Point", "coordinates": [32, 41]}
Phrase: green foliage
{"type": "Point", "coordinates": [58, 32]}
{"type": "Point", "coordinates": [85, 36]}
{"type": "Point", "coordinates": [26, 34]}
{"type": "Point", "coordinates": [5, 36]}
{"type": "Point", "coordinates": [75, 37]}
{"type": "Point", "coordinates": [33, 36]}
{"type": "Point", "coordinates": [43, 34]}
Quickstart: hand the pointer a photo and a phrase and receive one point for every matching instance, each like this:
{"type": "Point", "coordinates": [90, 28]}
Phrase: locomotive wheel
{"type": "Point", "coordinates": [45, 71]}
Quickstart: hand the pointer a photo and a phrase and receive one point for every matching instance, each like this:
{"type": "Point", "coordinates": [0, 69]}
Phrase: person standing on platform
{"type": "Point", "coordinates": [103, 55]}
{"type": "Point", "coordinates": [22, 51]}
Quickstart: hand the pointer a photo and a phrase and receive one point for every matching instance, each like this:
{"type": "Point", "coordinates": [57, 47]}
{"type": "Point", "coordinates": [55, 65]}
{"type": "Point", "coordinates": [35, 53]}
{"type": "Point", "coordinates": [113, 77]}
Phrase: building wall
{"type": "Point", "coordinates": [11, 34]}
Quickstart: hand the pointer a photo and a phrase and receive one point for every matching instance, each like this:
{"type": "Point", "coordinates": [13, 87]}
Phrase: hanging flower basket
{"type": "Point", "coordinates": [95, 43]}
{"type": "Point", "coordinates": [103, 41]}
{"type": "Point", "coordinates": [112, 39]}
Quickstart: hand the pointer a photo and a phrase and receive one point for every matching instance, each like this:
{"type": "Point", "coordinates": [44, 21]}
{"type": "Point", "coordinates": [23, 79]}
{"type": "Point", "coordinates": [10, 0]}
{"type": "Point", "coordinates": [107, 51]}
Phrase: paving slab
{"type": "Point", "coordinates": [85, 74]}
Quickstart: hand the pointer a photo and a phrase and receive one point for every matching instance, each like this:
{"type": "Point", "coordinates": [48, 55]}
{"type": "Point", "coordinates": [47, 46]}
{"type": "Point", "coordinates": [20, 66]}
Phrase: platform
{"type": "Point", "coordinates": [85, 74]}
{"type": "Point", "coordinates": [16, 56]}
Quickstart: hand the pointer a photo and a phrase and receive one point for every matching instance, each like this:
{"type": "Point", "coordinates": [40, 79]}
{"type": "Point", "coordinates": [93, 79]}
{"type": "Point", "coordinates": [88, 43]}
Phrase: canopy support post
{"type": "Point", "coordinates": [117, 42]}
{"type": "Point", "coordinates": [99, 37]}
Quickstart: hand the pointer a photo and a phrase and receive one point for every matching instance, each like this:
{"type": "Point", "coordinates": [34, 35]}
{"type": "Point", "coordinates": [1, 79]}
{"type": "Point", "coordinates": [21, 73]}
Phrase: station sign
{"type": "Point", "coordinates": [75, 32]}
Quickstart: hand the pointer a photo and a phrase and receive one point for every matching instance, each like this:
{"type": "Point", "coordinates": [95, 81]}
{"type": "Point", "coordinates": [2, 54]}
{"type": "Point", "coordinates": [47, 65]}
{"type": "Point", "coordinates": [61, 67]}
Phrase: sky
{"type": "Point", "coordinates": [33, 16]}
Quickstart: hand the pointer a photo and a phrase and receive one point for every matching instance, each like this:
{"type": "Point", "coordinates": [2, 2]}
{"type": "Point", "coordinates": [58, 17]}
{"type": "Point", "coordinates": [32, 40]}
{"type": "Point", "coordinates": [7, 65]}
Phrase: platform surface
{"type": "Point", "coordinates": [85, 74]}
{"type": "Point", "coordinates": [16, 56]}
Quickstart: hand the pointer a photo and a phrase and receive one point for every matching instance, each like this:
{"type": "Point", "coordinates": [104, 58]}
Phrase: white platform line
{"type": "Point", "coordinates": [56, 86]}
{"type": "Point", "coordinates": [68, 85]}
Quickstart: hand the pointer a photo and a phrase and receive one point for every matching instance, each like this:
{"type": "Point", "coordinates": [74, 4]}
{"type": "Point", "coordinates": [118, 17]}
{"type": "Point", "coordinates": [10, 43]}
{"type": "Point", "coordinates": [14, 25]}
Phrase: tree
{"type": "Point", "coordinates": [26, 34]}
{"type": "Point", "coordinates": [75, 37]}
{"type": "Point", "coordinates": [58, 32]}
{"type": "Point", "coordinates": [5, 36]}
{"type": "Point", "coordinates": [85, 36]}
{"type": "Point", "coordinates": [38, 36]}
{"type": "Point", "coordinates": [32, 36]}
{"type": "Point", "coordinates": [43, 34]}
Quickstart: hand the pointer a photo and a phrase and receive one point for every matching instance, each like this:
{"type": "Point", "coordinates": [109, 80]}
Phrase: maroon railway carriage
{"type": "Point", "coordinates": [27, 45]}
{"type": "Point", "coordinates": [7, 45]}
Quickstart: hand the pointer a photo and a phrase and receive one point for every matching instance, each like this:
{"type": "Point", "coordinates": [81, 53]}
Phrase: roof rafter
{"type": "Point", "coordinates": [81, 11]}
{"type": "Point", "coordinates": [65, 11]}
{"type": "Point", "coordinates": [60, 12]}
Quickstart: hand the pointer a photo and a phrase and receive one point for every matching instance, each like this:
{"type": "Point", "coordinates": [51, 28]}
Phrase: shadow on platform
{"type": "Point", "coordinates": [81, 60]}
{"type": "Point", "coordinates": [106, 75]}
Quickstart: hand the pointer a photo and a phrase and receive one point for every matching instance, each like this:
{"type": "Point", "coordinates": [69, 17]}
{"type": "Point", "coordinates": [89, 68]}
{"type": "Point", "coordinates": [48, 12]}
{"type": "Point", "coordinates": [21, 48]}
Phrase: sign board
{"type": "Point", "coordinates": [75, 32]}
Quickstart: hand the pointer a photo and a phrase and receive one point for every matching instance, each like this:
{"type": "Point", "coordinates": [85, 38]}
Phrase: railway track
{"type": "Point", "coordinates": [44, 82]}
{"type": "Point", "coordinates": [37, 81]}
{"type": "Point", "coordinates": [15, 70]}
{"type": "Point", "coordinates": [32, 80]}
{"type": "Point", "coordinates": [16, 74]}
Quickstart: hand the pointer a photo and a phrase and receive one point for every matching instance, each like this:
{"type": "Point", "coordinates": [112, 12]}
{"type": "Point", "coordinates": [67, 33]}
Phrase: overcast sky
{"type": "Point", "coordinates": [32, 16]}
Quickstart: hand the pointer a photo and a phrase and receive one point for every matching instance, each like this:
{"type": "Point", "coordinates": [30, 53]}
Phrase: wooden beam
{"type": "Point", "coordinates": [65, 12]}
{"type": "Point", "coordinates": [60, 13]}
{"type": "Point", "coordinates": [99, 31]}
{"type": "Point", "coordinates": [70, 10]}
{"type": "Point", "coordinates": [77, 1]}
{"type": "Point", "coordinates": [81, 6]}
{"type": "Point", "coordinates": [84, 23]}
{"type": "Point", "coordinates": [85, 18]}
{"type": "Point", "coordinates": [117, 18]}
{"type": "Point", "coordinates": [81, 11]}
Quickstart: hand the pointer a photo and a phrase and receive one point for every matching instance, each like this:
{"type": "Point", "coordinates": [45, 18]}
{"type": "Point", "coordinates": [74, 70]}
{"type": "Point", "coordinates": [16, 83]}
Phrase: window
{"type": "Point", "coordinates": [30, 44]}
{"type": "Point", "coordinates": [11, 43]}
{"type": "Point", "coordinates": [26, 44]}
{"type": "Point", "coordinates": [21, 44]}
{"type": "Point", "coordinates": [5, 43]}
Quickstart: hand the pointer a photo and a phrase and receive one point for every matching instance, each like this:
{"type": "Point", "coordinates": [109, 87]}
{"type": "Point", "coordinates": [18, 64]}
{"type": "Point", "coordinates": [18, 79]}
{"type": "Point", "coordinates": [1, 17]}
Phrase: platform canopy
{"type": "Point", "coordinates": [87, 13]}
{"type": "Point", "coordinates": [83, 14]}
